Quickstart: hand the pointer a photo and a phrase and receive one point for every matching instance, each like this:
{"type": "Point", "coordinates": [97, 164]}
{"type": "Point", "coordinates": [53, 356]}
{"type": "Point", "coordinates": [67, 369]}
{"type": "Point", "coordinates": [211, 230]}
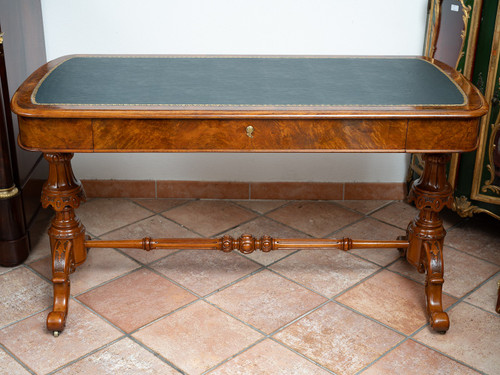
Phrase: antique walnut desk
{"type": "Point", "coordinates": [247, 104]}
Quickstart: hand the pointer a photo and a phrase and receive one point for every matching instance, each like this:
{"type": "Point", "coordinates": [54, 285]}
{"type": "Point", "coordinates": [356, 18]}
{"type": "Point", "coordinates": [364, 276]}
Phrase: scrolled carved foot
{"type": "Point", "coordinates": [439, 321]}
{"type": "Point", "coordinates": [62, 258]}
{"type": "Point", "coordinates": [56, 320]}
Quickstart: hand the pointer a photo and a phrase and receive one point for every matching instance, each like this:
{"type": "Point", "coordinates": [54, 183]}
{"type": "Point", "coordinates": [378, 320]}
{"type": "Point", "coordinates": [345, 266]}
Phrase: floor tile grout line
{"type": "Point", "coordinates": [331, 234]}
{"type": "Point", "coordinates": [495, 314]}
{"type": "Point", "coordinates": [382, 355]}
{"type": "Point", "coordinates": [333, 203]}
{"type": "Point", "coordinates": [234, 355]}
{"type": "Point", "coordinates": [31, 314]}
{"type": "Point", "coordinates": [9, 269]}
{"type": "Point", "coordinates": [99, 315]}
{"type": "Point", "coordinates": [387, 204]}
{"type": "Point", "coordinates": [121, 251]}
{"type": "Point", "coordinates": [298, 283]}
{"type": "Point", "coordinates": [380, 221]}
{"type": "Point", "coordinates": [24, 318]}
{"type": "Point", "coordinates": [220, 234]}
{"type": "Point", "coordinates": [126, 273]}
{"type": "Point", "coordinates": [465, 296]}
{"type": "Point", "coordinates": [204, 298]}
{"type": "Point", "coordinates": [156, 320]}
{"type": "Point", "coordinates": [124, 335]}
{"type": "Point", "coordinates": [156, 354]}
{"type": "Point", "coordinates": [412, 338]}
{"type": "Point", "coordinates": [272, 263]}
{"type": "Point", "coordinates": [288, 226]}
{"type": "Point", "coordinates": [200, 235]}
{"type": "Point", "coordinates": [88, 354]}
{"type": "Point", "coordinates": [259, 269]}
{"type": "Point", "coordinates": [225, 230]}
{"type": "Point", "coordinates": [266, 335]}
{"type": "Point", "coordinates": [34, 271]}
{"type": "Point", "coordinates": [444, 293]}
{"type": "Point", "coordinates": [370, 318]}
{"type": "Point", "coordinates": [421, 283]}
{"type": "Point", "coordinates": [174, 251]}
{"type": "Point", "coordinates": [138, 261]}
{"type": "Point", "coordinates": [122, 226]}
{"type": "Point", "coordinates": [147, 218]}
{"type": "Point", "coordinates": [198, 297]}
{"type": "Point", "coordinates": [471, 255]}
{"type": "Point", "coordinates": [15, 358]}
{"type": "Point", "coordinates": [238, 203]}
{"type": "Point", "coordinates": [341, 205]}
{"type": "Point", "coordinates": [135, 201]}
{"type": "Point", "coordinates": [258, 329]}
{"type": "Point", "coordinates": [333, 299]}
{"type": "Point", "coordinates": [92, 288]}
{"type": "Point", "coordinates": [302, 355]}
{"type": "Point", "coordinates": [299, 318]}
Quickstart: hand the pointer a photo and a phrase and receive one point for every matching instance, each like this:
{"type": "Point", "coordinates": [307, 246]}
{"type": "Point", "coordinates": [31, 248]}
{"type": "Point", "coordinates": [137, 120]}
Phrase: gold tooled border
{"type": "Point", "coordinates": [472, 42]}
{"type": "Point", "coordinates": [490, 87]}
{"type": "Point", "coordinates": [37, 87]}
{"type": "Point", "coordinates": [468, 64]}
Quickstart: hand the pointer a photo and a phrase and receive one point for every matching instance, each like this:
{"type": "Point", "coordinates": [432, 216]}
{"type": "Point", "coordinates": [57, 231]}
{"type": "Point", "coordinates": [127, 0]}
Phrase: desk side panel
{"type": "Point", "coordinates": [453, 135]}
{"type": "Point", "coordinates": [112, 135]}
{"type": "Point", "coordinates": [68, 135]}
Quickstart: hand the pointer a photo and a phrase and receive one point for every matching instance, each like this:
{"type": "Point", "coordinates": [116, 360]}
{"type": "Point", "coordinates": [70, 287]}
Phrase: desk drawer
{"type": "Point", "coordinates": [232, 135]}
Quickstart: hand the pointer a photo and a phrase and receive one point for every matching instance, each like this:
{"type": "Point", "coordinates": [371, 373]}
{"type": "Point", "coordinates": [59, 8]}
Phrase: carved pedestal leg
{"type": "Point", "coordinates": [431, 193]}
{"type": "Point", "coordinates": [63, 192]}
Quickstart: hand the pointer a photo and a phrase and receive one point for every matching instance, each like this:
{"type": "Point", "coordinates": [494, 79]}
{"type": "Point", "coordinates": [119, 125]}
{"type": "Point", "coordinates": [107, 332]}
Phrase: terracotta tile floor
{"type": "Point", "coordinates": [287, 312]}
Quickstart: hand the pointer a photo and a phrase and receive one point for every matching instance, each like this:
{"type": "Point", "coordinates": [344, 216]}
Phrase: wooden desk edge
{"type": "Point", "coordinates": [22, 105]}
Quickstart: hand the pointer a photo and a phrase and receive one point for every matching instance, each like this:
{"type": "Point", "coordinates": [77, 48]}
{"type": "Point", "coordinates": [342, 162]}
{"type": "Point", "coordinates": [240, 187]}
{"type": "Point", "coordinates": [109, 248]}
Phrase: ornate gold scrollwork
{"type": "Point", "coordinates": [492, 147]}
{"type": "Point", "coordinates": [465, 17]}
{"type": "Point", "coordinates": [489, 184]}
{"type": "Point", "coordinates": [464, 208]}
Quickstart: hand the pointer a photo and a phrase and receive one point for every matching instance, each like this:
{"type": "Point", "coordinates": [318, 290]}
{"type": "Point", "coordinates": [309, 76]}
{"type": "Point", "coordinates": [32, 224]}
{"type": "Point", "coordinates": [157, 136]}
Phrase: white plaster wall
{"type": "Point", "coordinates": [333, 27]}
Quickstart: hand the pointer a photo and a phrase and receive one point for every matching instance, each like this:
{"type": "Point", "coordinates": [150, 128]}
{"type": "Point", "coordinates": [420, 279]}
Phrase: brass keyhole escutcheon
{"type": "Point", "coordinates": [250, 130]}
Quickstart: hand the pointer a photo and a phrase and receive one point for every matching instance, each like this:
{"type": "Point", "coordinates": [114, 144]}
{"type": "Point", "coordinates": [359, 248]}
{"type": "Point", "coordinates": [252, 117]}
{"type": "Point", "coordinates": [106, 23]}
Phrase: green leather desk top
{"type": "Point", "coordinates": [246, 82]}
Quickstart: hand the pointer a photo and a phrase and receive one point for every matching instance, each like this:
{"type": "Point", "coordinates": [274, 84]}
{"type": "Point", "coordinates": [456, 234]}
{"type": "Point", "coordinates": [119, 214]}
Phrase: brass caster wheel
{"type": "Point", "coordinates": [56, 333]}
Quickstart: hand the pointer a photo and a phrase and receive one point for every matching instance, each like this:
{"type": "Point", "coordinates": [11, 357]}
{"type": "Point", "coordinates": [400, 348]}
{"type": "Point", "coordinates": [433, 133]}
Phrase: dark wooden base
{"type": "Point", "coordinates": [498, 299]}
{"type": "Point", "coordinates": [14, 252]}
{"type": "Point", "coordinates": [14, 241]}
{"type": "Point", "coordinates": [423, 246]}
